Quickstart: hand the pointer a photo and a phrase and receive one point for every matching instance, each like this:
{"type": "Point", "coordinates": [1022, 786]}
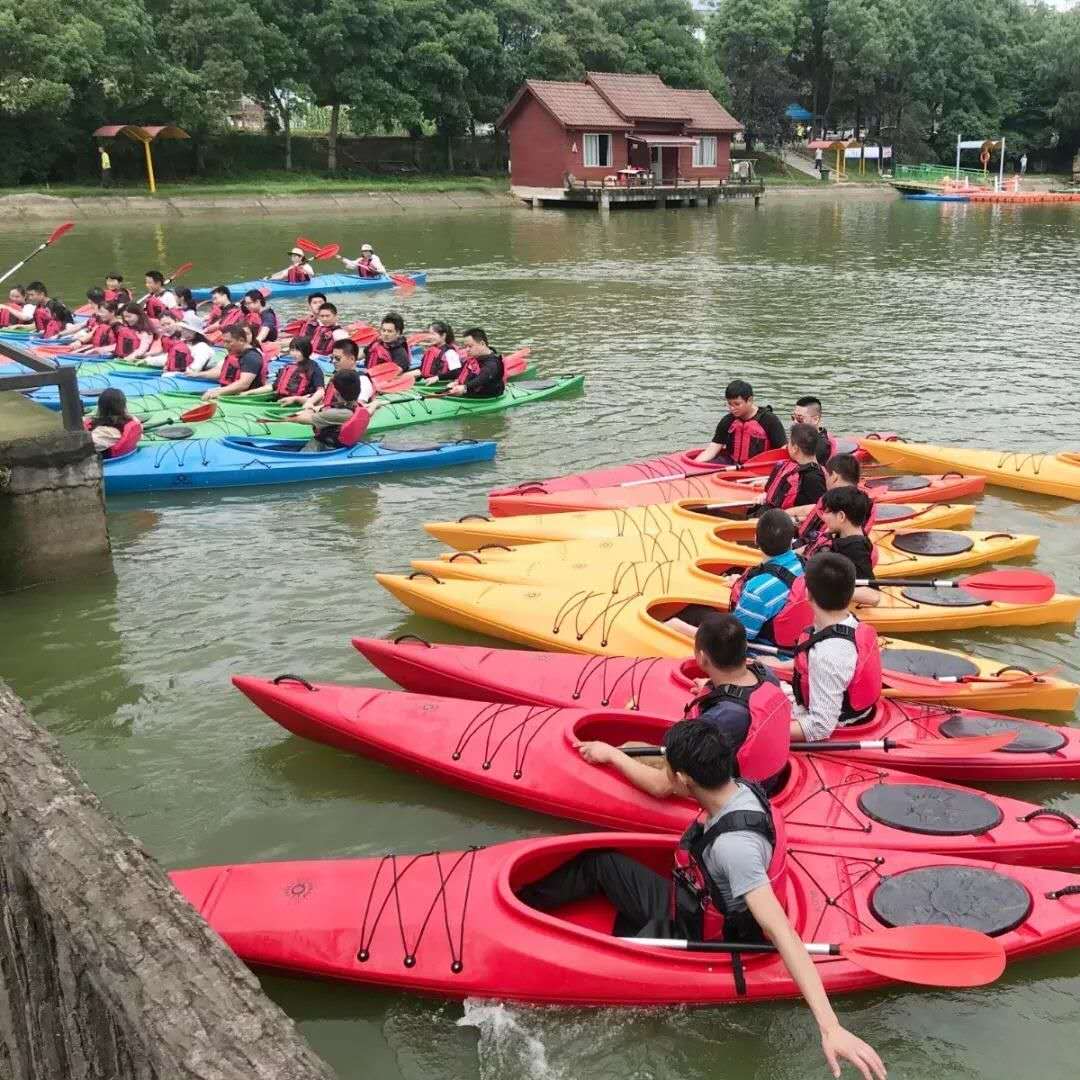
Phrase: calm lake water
{"type": "Point", "coordinates": [946, 323]}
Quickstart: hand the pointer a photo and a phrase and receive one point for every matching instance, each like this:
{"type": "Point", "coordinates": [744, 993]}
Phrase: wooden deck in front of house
{"type": "Point", "coordinates": [603, 194]}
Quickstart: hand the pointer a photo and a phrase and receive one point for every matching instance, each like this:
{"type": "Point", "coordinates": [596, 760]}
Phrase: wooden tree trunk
{"type": "Point", "coordinates": [331, 153]}
{"type": "Point", "coordinates": [286, 115]}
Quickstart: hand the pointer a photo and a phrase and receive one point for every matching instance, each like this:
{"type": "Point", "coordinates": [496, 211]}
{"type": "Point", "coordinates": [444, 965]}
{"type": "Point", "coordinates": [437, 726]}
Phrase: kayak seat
{"type": "Point", "coordinates": [898, 483]}
{"type": "Point", "coordinates": [1030, 738]}
{"type": "Point", "coordinates": [967, 896]}
{"type": "Point", "coordinates": [932, 542]}
{"type": "Point", "coordinates": [928, 662]}
{"type": "Point", "coordinates": [929, 810]}
{"type": "Point", "coordinates": [592, 913]}
{"type": "Point", "coordinates": [928, 596]}
{"type": "Point", "coordinates": [892, 512]}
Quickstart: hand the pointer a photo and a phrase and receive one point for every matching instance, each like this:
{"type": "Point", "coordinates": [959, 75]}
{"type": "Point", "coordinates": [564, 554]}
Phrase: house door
{"type": "Point", "coordinates": [657, 160]}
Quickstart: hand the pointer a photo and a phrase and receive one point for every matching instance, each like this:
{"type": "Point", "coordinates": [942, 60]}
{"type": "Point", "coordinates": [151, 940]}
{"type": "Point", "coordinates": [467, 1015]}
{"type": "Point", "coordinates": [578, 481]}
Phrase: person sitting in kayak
{"type": "Point", "coordinates": [113, 430]}
{"type": "Point", "coordinates": [114, 283]}
{"type": "Point", "coordinates": [299, 378]}
{"type": "Point", "coordinates": [808, 411]}
{"type": "Point", "coordinates": [845, 512]}
{"type": "Point", "coordinates": [185, 302]}
{"type": "Point", "coordinates": [369, 265]}
{"type": "Point", "coordinates": [799, 481]}
{"type": "Point", "coordinates": [841, 470]}
{"type": "Point", "coordinates": [768, 599]}
{"type": "Point", "coordinates": [298, 272]}
{"type": "Point", "coordinates": [391, 347]}
{"type": "Point", "coordinates": [837, 679]}
{"type": "Point", "coordinates": [332, 423]}
{"type": "Point", "coordinates": [746, 431]}
{"type": "Point", "coordinates": [95, 297]}
{"type": "Point", "coordinates": [183, 348]}
{"type": "Point", "coordinates": [223, 312]}
{"type": "Point", "coordinates": [722, 886]}
{"type": "Point", "coordinates": [134, 335]}
{"type": "Point", "coordinates": [38, 295]}
{"type": "Point", "coordinates": [99, 335]}
{"type": "Point", "coordinates": [327, 332]}
{"type": "Point", "coordinates": [158, 298]}
{"type": "Point", "coordinates": [244, 366]}
{"type": "Point", "coordinates": [310, 324]}
{"type": "Point", "coordinates": [260, 317]}
{"type": "Point", "coordinates": [58, 321]}
{"type": "Point", "coordinates": [441, 360]}
{"type": "Point", "coordinates": [18, 311]}
{"type": "Point", "coordinates": [482, 373]}
{"type": "Point", "coordinates": [327, 399]}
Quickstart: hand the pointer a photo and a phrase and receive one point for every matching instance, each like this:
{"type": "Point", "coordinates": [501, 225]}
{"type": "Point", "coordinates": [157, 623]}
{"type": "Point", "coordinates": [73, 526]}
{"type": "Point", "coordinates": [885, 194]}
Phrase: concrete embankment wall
{"type": "Point", "coordinates": [105, 972]}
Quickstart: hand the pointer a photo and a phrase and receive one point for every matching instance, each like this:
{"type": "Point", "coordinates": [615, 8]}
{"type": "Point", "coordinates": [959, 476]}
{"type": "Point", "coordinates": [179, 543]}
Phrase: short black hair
{"type": "Point", "coordinates": [254, 294]}
{"type": "Point", "coordinates": [94, 294]}
{"type": "Point", "coordinates": [328, 307]}
{"type": "Point", "coordinates": [739, 388]}
{"type": "Point", "coordinates": [722, 638]}
{"type": "Point", "coordinates": [114, 276]}
{"type": "Point", "coordinates": [221, 290]}
{"type": "Point", "coordinates": [854, 504]}
{"type": "Point", "coordinates": [238, 333]}
{"type": "Point", "coordinates": [347, 345]}
{"type": "Point", "coordinates": [155, 275]}
{"type": "Point", "coordinates": [830, 581]}
{"type": "Point", "coordinates": [477, 334]}
{"type": "Point", "coordinates": [809, 402]}
{"type": "Point", "coordinates": [846, 466]}
{"type": "Point", "coordinates": [774, 533]}
{"type": "Point", "coordinates": [302, 345]}
{"type": "Point", "coordinates": [317, 296]}
{"type": "Point", "coordinates": [347, 384]}
{"type": "Point", "coordinates": [37, 286]}
{"type": "Point", "coordinates": [804, 437]}
{"type": "Point", "coordinates": [701, 751]}
{"type": "Point", "coordinates": [395, 320]}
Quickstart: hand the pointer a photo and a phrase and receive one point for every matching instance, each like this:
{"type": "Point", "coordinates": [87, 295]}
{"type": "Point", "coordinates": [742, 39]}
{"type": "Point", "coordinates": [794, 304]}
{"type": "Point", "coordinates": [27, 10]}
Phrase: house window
{"type": "Point", "coordinates": [705, 152]}
{"type": "Point", "coordinates": [597, 151]}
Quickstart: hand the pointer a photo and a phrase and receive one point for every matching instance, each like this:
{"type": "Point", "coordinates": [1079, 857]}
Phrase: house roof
{"type": "Point", "coordinates": [639, 97]}
{"type": "Point", "coordinates": [572, 104]}
{"type": "Point", "coordinates": [706, 113]}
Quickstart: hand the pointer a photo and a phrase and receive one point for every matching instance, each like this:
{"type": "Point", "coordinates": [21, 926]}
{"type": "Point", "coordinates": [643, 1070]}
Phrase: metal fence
{"type": "Point", "coordinates": [937, 174]}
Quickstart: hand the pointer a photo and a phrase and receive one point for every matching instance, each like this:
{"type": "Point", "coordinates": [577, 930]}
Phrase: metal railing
{"type": "Point", "coordinates": [938, 174]}
{"type": "Point", "coordinates": [45, 374]}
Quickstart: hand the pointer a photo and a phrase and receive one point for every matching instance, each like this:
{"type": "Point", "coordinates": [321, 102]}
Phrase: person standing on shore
{"type": "Point", "coordinates": [106, 166]}
{"type": "Point", "coordinates": [1023, 164]}
{"type": "Point", "coordinates": [817, 159]}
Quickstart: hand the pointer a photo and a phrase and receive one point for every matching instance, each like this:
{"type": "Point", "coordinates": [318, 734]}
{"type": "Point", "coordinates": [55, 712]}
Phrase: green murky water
{"type": "Point", "coordinates": [948, 323]}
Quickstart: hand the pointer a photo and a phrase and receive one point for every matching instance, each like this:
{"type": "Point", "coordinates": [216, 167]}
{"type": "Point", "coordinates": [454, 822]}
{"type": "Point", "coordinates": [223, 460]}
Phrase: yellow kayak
{"type": "Point", "coordinates": [686, 515]}
{"type": "Point", "coordinates": [899, 554]}
{"type": "Point", "coordinates": [1046, 474]}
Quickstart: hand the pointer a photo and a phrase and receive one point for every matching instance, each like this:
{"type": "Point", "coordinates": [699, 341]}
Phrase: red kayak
{"type": "Point", "coordinates": [663, 687]}
{"type": "Point", "coordinates": [524, 755]}
{"type": "Point", "coordinates": [947, 487]}
{"type": "Point", "coordinates": [449, 923]}
{"type": "Point", "coordinates": [677, 465]}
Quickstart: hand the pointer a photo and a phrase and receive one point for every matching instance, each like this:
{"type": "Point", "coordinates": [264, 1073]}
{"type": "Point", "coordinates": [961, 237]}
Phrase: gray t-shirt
{"type": "Point", "coordinates": [738, 862]}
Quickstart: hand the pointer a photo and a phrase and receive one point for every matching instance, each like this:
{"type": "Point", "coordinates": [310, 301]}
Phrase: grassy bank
{"type": "Point", "coordinates": [279, 184]}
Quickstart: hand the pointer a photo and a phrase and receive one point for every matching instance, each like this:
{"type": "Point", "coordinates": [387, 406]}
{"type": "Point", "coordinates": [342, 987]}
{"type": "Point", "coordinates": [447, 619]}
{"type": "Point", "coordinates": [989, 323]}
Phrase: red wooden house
{"type": "Point", "coordinates": [608, 124]}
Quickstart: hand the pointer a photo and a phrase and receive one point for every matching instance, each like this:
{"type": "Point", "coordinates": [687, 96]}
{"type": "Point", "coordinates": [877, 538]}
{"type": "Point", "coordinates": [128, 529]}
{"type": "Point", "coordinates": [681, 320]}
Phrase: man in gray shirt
{"type": "Point", "coordinates": [720, 882]}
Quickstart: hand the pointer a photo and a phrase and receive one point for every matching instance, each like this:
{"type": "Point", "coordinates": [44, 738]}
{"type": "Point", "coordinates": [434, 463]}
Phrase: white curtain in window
{"type": "Point", "coordinates": [597, 150]}
{"type": "Point", "coordinates": [705, 152]}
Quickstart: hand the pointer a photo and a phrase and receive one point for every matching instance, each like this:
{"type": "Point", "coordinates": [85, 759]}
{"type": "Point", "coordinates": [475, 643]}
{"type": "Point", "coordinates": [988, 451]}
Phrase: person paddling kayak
{"type": "Point", "coordinates": [18, 311]}
{"type": "Point", "coordinates": [327, 332]}
{"type": "Point", "coordinates": [310, 323]}
{"type": "Point", "coordinates": [223, 312]}
{"type": "Point", "coordinates": [369, 265]}
{"type": "Point", "coordinates": [482, 374]}
{"type": "Point", "coordinates": [721, 886]}
{"type": "Point", "coordinates": [298, 271]}
{"type": "Point", "coordinates": [746, 431]}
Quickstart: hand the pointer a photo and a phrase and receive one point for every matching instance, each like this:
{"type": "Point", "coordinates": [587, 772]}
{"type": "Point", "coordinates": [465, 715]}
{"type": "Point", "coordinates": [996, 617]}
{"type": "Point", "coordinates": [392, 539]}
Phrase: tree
{"type": "Point", "coordinates": [279, 78]}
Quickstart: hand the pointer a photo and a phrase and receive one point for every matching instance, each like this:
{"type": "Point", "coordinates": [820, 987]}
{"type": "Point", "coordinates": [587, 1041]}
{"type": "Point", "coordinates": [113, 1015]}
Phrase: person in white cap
{"type": "Point", "coordinates": [298, 272]}
{"type": "Point", "coordinates": [184, 349]}
{"type": "Point", "coordinates": [368, 265]}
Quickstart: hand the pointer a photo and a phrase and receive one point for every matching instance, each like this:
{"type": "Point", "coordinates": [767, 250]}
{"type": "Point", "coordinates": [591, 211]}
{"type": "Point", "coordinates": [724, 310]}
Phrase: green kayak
{"type": "Point", "coordinates": [398, 411]}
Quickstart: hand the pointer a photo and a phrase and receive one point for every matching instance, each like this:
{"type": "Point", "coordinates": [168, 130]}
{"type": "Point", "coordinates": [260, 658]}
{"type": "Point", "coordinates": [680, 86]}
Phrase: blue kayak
{"type": "Point", "coordinates": [244, 462]}
{"type": "Point", "coordinates": [327, 283]}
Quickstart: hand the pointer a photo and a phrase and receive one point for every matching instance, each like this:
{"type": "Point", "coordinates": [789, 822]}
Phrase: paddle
{"type": "Point", "coordinates": [331, 251]}
{"type": "Point", "coordinates": [182, 269]}
{"type": "Point", "coordinates": [969, 745]}
{"type": "Point", "coordinates": [926, 955]}
{"type": "Point", "coordinates": [199, 413]}
{"type": "Point", "coordinates": [769, 457]}
{"type": "Point", "coordinates": [402, 281]}
{"type": "Point", "coordinates": [306, 245]}
{"type": "Point", "coordinates": [55, 235]}
{"type": "Point", "coordinates": [1002, 586]}
{"type": "Point", "coordinates": [943, 686]}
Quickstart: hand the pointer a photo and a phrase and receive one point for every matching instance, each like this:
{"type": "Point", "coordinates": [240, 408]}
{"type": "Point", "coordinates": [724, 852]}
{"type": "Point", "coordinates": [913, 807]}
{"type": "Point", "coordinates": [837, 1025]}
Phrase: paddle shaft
{"type": "Point", "coordinates": [812, 947]}
{"type": "Point", "coordinates": [19, 265]}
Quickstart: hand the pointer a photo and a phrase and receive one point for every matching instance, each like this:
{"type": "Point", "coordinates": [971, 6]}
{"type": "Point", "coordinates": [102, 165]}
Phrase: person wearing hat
{"type": "Point", "coordinates": [368, 265]}
{"type": "Point", "coordinates": [184, 349]}
{"type": "Point", "coordinates": [298, 272]}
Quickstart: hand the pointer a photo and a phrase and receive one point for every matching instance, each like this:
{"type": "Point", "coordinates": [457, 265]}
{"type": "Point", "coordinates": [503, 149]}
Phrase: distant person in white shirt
{"type": "Point", "coordinates": [1023, 164]}
{"type": "Point", "coordinates": [369, 264]}
{"type": "Point", "coordinates": [817, 159]}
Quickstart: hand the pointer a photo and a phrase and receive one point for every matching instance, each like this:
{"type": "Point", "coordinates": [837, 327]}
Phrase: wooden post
{"type": "Point", "coordinates": [149, 167]}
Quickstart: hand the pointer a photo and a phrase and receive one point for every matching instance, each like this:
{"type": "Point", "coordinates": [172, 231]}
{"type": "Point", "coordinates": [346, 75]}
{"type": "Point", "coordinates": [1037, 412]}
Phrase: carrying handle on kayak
{"type": "Point", "coordinates": [1046, 811]}
{"type": "Point", "coordinates": [494, 547]}
{"type": "Point", "coordinates": [473, 517]}
{"type": "Point", "coordinates": [465, 555]}
{"type": "Point", "coordinates": [1068, 890]}
{"type": "Point", "coordinates": [293, 678]}
{"type": "Point", "coordinates": [413, 637]}
{"type": "Point", "coordinates": [424, 573]}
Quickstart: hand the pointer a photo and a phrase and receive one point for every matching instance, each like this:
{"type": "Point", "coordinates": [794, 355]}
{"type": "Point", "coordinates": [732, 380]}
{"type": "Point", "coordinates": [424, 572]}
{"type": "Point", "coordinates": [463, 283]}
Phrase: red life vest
{"type": "Point", "coordinates": [784, 627]}
{"type": "Point", "coordinates": [41, 318]}
{"type": "Point", "coordinates": [231, 370]}
{"type": "Point", "coordinates": [126, 340]}
{"type": "Point", "coordinates": [697, 905]}
{"type": "Point", "coordinates": [782, 487]}
{"type": "Point", "coordinates": [52, 328]}
{"type": "Point", "coordinates": [8, 317]}
{"type": "Point", "coordinates": [294, 381]}
{"type": "Point", "coordinates": [352, 431]}
{"type": "Point", "coordinates": [297, 275]}
{"type": "Point", "coordinates": [154, 307]}
{"type": "Point", "coordinates": [746, 439]}
{"type": "Point", "coordinates": [764, 752]}
{"type": "Point", "coordinates": [307, 329]}
{"type": "Point", "coordinates": [111, 294]}
{"type": "Point", "coordinates": [129, 437]}
{"type": "Point", "coordinates": [103, 334]}
{"type": "Point", "coordinates": [230, 316]}
{"type": "Point", "coordinates": [379, 353]}
{"type": "Point", "coordinates": [432, 363]}
{"type": "Point", "coordinates": [814, 537]}
{"type": "Point", "coordinates": [365, 269]}
{"type": "Point", "coordinates": [178, 354]}
{"type": "Point", "coordinates": [322, 340]}
{"type": "Point", "coordinates": [864, 690]}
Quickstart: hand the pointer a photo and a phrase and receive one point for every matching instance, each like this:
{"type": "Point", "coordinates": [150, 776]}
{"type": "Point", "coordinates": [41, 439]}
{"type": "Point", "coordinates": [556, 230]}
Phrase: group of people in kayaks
{"type": "Point", "coordinates": [730, 752]}
{"type": "Point", "coordinates": [164, 330]}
